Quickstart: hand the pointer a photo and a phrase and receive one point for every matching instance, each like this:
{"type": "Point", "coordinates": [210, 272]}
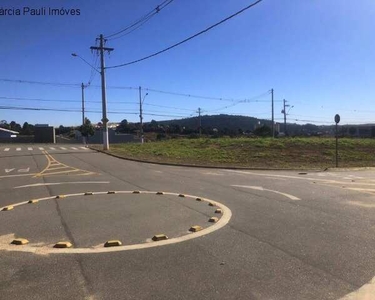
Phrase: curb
{"type": "Point", "coordinates": [203, 166]}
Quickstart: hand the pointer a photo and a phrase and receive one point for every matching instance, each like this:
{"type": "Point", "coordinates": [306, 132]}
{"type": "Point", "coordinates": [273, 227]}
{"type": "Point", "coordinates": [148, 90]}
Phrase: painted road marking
{"type": "Point", "coordinates": [9, 170]}
{"type": "Point", "coordinates": [53, 164]}
{"type": "Point", "coordinates": [225, 218]}
{"type": "Point", "coordinates": [18, 149]}
{"type": "Point", "coordinates": [212, 173]}
{"type": "Point", "coordinates": [52, 148]}
{"type": "Point", "coordinates": [60, 183]}
{"type": "Point", "coordinates": [73, 148]}
{"type": "Point", "coordinates": [62, 148]}
{"type": "Point", "coordinates": [18, 175]}
{"type": "Point", "coordinates": [320, 180]}
{"type": "Point", "coordinates": [366, 292]}
{"type": "Point", "coordinates": [30, 149]}
{"type": "Point", "coordinates": [259, 188]}
{"type": "Point", "coordinates": [41, 148]}
{"type": "Point", "coordinates": [6, 149]}
{"type": "Point", "coordinates": [84, 148]}
{"type": "Point", "coordinates": [24, 170]}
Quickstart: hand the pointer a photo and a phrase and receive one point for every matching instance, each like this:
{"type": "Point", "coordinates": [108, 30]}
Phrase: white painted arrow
{"type": "Point", "coordinates": [259, 188]}
{"type": "Point", "coordinates": [8, 170]}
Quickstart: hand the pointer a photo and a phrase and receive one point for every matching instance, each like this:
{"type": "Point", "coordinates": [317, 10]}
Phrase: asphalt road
{"type": "Point", "coordinates": [281, 235]}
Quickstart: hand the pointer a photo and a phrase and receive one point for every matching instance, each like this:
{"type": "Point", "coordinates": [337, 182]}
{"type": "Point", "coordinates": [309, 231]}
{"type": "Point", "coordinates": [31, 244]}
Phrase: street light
{"type": "Point", "coordinates": [83, 87]}
{"type": "Point", "coordinates": [76, 55]}
{"type": "Point", "coordinates": [140, 112]}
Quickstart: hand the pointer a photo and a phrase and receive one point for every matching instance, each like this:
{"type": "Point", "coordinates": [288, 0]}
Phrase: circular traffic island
{"type": "Point", "coordinates": [97, 222]}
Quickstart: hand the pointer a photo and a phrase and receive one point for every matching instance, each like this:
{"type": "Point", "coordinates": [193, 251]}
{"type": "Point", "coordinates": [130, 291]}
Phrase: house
{"type": "Point", "coordinates": [6, 133]}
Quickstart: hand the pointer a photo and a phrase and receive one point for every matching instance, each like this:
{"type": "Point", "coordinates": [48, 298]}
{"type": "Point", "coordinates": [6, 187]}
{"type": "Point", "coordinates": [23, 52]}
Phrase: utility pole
{"type": "Point", "coordinates": [83, 103]}
{"type": "Point", "coordinates": [101, 50]}
{"type": "Point", "coordinates": [284, 112]}
{"type": "Point", "coordinates": [200, 121]}
{"type": "Point", "coordinates": [140, 114]}
{"type": "Point", "coordinates": [83, 110]}
{"type": "Point", "coordinates": [273, 117]}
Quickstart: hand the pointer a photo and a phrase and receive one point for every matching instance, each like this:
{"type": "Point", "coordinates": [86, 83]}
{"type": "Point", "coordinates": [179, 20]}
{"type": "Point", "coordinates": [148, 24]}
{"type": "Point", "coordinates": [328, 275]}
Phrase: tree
{"type": "Point", "coordinates": [87, 129]}
{"type": "Point", "coordinates": [263, 131]}
{"type": "Point", "coordinates": [15, 126]}
{"type": "Point", "coordinates": [4, 124]}
{"type": "Point", "coordinates": [123, 127]}
{"type": "Point", "coordinates": [27, 129]}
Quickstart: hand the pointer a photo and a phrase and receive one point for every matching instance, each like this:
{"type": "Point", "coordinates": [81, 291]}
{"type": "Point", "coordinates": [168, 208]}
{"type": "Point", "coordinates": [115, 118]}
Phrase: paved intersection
{"type": "Point", "coordinates": [291, 235]}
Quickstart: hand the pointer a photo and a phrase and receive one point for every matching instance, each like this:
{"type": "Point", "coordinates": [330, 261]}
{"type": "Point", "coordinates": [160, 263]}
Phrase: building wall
{"type": "Point", "coordinates": [44, 135]}
{"type": "Point", "coordinates": [4, 134]}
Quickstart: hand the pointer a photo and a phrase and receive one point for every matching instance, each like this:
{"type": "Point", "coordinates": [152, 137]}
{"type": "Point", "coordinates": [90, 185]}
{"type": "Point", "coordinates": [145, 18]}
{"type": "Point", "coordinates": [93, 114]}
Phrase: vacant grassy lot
{"type": "Point", "coordinates": [254, 152]}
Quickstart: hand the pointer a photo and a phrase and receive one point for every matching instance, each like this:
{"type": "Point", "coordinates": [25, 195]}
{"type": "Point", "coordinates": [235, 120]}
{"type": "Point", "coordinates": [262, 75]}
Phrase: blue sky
{"type": "Point", "coordinates": [318, 55]}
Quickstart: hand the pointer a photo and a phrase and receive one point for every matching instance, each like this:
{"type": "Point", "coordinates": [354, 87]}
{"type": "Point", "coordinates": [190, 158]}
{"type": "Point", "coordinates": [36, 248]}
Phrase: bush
{"type": "Point", "coordinates": [161, 136]}
{"type": "Point", "coordinates": [193, 136]}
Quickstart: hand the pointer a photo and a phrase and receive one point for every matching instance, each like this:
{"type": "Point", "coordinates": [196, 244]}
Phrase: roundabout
{"type": "Point", "coordinates": [108, 221]}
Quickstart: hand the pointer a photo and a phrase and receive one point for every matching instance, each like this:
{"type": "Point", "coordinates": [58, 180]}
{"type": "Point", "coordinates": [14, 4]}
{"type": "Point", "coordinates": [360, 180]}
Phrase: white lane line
{"type": "Point", "coordinates": [259, 188]}
{"type": "Point", "coordinates": [361, 204]}
{"type": "Point", "coordinates": [29, 148]}
{"type": "Point", "coordinates": [41, 148]}
{"type": "Point", "coordinates": [6, 149]}
{"type": "Point", "coordinates": [52, 148]}
{"type": "Point", "coordinates": [62, 148]}
{"type": "Point", "coordinates": [18, 175]}
{"type": "Point", "coordinates": [366, 292]}
{"type": "Point", "coordinates": [60, 183]}
{"type": "Point", "coordinates": [225, 218]}
{"type": "Point", "coordinates": [18, 149]}
{"type": "Point", "coordinates": [289, 176]}
{"type": "Point", "coordinates": [84, 148]}
{"type": "Point", "coordinates": [212, 173]}
{"type": "Point", "coordinates": [360, 189]}
{"type": "Point", "coordinates": [73, 148]}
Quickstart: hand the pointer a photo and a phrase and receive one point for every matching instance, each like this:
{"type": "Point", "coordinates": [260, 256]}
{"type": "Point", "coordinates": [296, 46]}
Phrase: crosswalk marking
{"type": "Point", "coordinates": [25, 148]}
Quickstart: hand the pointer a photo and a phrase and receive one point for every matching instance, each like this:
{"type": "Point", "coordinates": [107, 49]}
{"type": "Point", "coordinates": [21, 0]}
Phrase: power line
{"type": "Point", "coordinates": [60, 100]}
{"type": "Point", "coordinates": [88, 111]}
{"type": "Point", "coordinates": [38, 99]}
{"type": "Point", "coordinates": [253, 99]}
{"type": "Point", "coordinates": [171, 107]}
{"type": "Point", "coordinates": [166, 115]}
{"type": "Point", "coordinates": [192, 96]}
{"type": "Point", "coordinates": [43, 83]}
{"type": "Point", "coordinates": [187, 39]}
{"type": "Point", "coordinates": [310, 121]}
{"type": "Point", "coordinates": [140, 21]}
{"type": "Point", "coordinates": [95, 63]}
{"type": "Point", "coordinates": [146, 89]}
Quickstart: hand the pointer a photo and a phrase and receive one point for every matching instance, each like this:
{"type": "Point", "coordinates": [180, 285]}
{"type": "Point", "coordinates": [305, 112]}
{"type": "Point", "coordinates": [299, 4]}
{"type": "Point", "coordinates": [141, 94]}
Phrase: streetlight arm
{"type": "Point", "coordinates": [144, 98]}
{"type": "Point", "coordinates": [76, 55]}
